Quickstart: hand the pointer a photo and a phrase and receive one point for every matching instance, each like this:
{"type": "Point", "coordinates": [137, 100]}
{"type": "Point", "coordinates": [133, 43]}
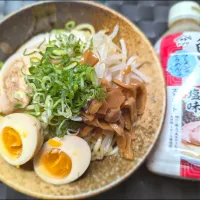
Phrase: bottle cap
{"type": "Point", "coordinates": [184, 10]}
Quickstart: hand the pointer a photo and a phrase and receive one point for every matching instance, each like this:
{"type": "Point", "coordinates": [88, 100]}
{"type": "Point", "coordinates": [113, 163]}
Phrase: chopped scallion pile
{"type": "Point", "coordinates": [61, 85]}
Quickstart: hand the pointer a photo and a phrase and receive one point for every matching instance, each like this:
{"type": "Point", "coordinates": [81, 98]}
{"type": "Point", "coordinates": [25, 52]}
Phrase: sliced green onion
{"type": "Point", "coordinates": [58, 52]}
{"type": "Point", "coordinates": [46, 83]}
{"type": "Point", "coordinates": [1, 64]}
{"type": "Point", "coordinates": [34, 60]}
{"type": "Point", "coordinates": [28, 54]}
{"type": "Point", "coordinates": [59, 133]}
{"type": "Point", "coordinates": [70, 25]}
{"type": "Point", "coordinates": [18, 105]}
{"type": "Point", "coordinates": [41, 44]}
{"type": "Point", "coordinates": [71, 66]}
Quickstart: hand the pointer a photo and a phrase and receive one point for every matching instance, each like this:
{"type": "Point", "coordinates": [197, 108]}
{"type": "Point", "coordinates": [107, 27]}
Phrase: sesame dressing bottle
{"type": "Point", "coordinates": [177, 152]}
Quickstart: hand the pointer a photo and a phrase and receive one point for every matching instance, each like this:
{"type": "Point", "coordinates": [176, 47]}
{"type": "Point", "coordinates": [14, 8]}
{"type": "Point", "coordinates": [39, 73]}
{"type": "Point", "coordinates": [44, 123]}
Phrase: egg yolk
{"type": "Point", "coordinates": [54, 143]}
{"type": "Point", "coordinates": [57, 163]}
{"type": "Point", "coordinates": [12, 141]}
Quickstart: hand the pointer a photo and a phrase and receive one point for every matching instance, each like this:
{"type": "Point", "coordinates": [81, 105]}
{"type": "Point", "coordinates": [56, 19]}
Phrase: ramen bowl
{"type": "Point", "coordinates": [102, 175]}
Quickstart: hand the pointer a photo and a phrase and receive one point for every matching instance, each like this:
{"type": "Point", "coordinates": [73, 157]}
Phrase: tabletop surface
{"type": "Point", "coordinates": [151, 17]}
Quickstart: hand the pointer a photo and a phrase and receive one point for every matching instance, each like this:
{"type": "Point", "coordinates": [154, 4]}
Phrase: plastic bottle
{"type": "Point", "coordinates": [183, 16]}
{"type": "Point", "coordinates": [177, 152]}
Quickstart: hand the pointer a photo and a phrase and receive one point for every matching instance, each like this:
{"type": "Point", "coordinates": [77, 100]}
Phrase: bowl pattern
{"type": "Point", "coordinates": [101, 175]}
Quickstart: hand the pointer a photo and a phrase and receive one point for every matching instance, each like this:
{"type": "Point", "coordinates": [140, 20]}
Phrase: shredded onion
{"type": "Point", "coordinates": [136, 77]}
{"type": "Point", "coordinates": [98, 144]}
{"type": "Point", "coordinates": [103, 145]}
{"type": "Point", "coordinates": [120, 67]}
{"type": "Point", "coordinates": [124, 50]}
{"type": "Point", "coordinates": [119, 76]}
{"type": "Point", "coordinates": [85, 27]}
{"type": "Point", "coordinates": [77, 119]}
{"type": "Point", "coordinates": [106, 143]}
{"type": "Point", "coordinates": [73, 132]}
{"type": "Point", "coordinates": [141, 75]}
{"type": "Point", "coordinates": [108, 77]}
{"type": "Point", "coordinates": [114, 151]}
{"type": "Point", "coordinates": [127, 79]}
{"type": "Point", "coordinates": [115, 32]}
{"type": "Point", "coordinates": [130, 60]}
{"type": "Point", "coordinates": [135, 65]}
{"type": "Point", "coordinates": [113, 60]}
{"type": "Point", "coordinates": [100, 70]}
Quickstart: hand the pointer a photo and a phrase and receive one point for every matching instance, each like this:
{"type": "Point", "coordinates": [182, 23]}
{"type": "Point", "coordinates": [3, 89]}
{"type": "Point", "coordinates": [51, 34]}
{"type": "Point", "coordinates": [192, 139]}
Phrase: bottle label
{"type": "Point", "coordinates": [180, 58]}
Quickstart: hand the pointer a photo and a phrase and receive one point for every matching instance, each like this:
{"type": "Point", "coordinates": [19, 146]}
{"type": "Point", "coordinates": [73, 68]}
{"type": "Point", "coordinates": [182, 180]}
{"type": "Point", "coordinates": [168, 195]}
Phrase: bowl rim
{"type": "Point", "coordinates": [158, 132]}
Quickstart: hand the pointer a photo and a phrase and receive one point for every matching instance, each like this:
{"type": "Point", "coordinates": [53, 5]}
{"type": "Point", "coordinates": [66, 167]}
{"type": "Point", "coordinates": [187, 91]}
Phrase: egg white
{"type": "Point", "coordinates": [31, 135]}
{"type": "Point", "coordinates": [79, 152]}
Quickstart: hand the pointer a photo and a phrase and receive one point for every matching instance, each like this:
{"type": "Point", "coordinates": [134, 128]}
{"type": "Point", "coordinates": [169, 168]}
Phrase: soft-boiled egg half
{"type": "Point", "coordinates": [62, 160]}
{"type": "Point", "coordinates": [21, 137]}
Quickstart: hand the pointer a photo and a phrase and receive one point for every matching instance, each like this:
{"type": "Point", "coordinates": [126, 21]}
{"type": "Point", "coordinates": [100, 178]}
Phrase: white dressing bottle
{"type": "Point", "coordinates": [177, 152]}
